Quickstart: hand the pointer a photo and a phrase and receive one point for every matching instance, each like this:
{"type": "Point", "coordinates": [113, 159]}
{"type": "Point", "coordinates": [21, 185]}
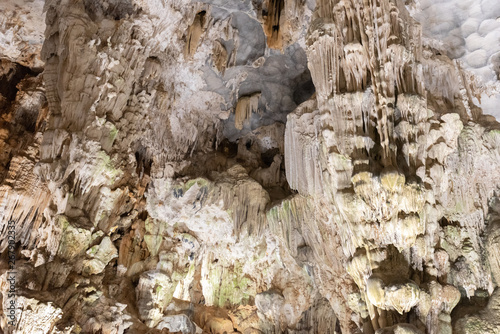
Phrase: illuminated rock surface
{"type": "Point", "coordinates": [250, 166]}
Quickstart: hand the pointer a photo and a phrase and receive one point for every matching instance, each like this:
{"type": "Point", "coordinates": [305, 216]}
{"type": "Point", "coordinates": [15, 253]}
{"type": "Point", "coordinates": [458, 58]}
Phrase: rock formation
{"type": "Point", "coordinates": [269, 166]}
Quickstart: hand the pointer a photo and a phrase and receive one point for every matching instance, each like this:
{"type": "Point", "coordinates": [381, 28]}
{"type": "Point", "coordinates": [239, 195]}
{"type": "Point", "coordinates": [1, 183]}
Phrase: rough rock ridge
{"type": "Point", "coordinates": [264, 166]}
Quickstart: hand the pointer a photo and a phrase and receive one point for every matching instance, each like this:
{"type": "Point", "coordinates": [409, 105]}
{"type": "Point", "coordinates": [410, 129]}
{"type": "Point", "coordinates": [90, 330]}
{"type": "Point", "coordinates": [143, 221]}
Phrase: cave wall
{"type": "Point", "coordinates": [245, 167]}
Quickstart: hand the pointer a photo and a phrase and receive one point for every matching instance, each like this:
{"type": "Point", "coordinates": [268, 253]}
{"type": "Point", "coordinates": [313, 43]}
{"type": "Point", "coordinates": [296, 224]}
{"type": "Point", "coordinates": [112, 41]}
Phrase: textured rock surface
{"type": "Point", "coordinates": [467, 31]}
{"type": "Point", "coordinates": [249, 167]}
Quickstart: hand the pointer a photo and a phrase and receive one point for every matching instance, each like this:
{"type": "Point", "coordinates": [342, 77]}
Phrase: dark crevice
{"type": "Point", "coordinates": [304, 91]}
{"type": "Point", "coordinates": [11, 75]}
{"type": "Point", "coordinates": [268, 156]}
{"type": "Point", "coordinates": [114, 9]}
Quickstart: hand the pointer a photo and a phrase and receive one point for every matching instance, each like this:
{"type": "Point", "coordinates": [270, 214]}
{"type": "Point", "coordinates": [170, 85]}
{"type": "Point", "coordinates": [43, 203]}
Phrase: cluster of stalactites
{"type": "Point", "coordinates": [273, 9]}
{"type": "Point", "coordinates": [353, 45]}
{"type": "Point", "coordinates": [365, 62]}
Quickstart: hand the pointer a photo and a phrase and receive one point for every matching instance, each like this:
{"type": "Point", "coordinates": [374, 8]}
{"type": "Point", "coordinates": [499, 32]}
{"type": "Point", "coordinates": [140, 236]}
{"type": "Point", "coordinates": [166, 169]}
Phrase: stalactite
{"type": "Point", "coordinates": [273, 22]}
{"type": "Point", "coordinates": [194, 33]}
{"type": "Point", "coordinates": [246, 106]}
